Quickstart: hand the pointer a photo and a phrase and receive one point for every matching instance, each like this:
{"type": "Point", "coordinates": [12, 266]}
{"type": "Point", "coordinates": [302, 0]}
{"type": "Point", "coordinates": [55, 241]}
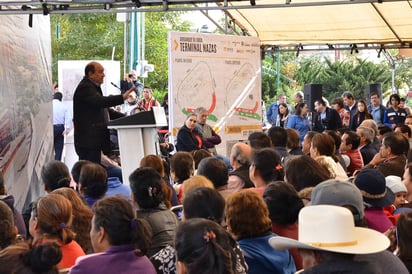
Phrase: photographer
{"type": "Point", "coordinates": [129, 81]}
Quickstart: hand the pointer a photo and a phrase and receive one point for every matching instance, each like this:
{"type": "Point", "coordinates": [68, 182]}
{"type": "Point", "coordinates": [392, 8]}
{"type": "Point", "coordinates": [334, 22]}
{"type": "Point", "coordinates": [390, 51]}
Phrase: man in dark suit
{"type": "Point", "coordinates": [350, 105]}
{"type": "Point", "coordinates": [325, 117]}
{"type": "Point", "coordinates": [368, 151]}
{"type": "Point", "coordinates": [91, 114]}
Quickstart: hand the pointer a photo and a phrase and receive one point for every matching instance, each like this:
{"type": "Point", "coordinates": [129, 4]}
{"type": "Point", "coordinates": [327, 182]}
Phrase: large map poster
{"type": "Point", "coordinates": [221, 73]}
{"type": "Point", "coordinates": [26, 126]}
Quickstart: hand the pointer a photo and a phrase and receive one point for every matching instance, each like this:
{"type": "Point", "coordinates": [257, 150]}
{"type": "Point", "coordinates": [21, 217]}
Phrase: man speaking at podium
{"type": "Point", "coordinates": [91, 114]}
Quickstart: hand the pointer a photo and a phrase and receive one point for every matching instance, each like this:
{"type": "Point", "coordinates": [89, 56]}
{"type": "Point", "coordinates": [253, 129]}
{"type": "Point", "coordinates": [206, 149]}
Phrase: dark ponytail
{"type": "Point", "coordinates": [204, 247]}
{"type": "Point", "coordinates": [43, 258]}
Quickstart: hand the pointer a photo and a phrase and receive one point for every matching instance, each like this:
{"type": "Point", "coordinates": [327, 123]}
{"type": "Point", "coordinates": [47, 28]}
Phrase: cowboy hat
{"type": "Point", "coordinates": [331, 228]}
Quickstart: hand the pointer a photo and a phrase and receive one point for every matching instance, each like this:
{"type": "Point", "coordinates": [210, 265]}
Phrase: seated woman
{"type": "Point", "coordinates": [247, 219]}
{"type": "Point", "coordinates": [266, 167]}
{"type": "Point", "coordinates": [208, 203]}
{"type": "Point", "coordinates": [323, 144]}
{"type": "Point", "coordinates": [82, 217]}
{"type": "Point", "coordinates": [203, 246]}
{"type": "Point", "coordinates": [147, 191]}
{"type": "Point", "coordinates": [169, 193]}
{"type": "Point", "coordinates": [120, 239]}
{"type": "Point", "coordinates": [21, 258]}
{"type": "Point", "coordinates": [188, 139]}
{"type": "Point", "coordinates": [92, 182]}
{"type": "Point", "coordinates": [50, 221]}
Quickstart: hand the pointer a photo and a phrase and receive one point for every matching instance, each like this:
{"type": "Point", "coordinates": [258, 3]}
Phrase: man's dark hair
{"type": "Point", "coordinates": [283, 203]}
{"type": "Point", "coordinates": [259, 139]}
{"type": "Point", "coordinates": [278, 136]}
{"type": "Point", "coordinates": [58, 95]}
{"type": "Point", "coordinates": [384, 129]}
{"type": "Point", "coordinates": [397, 142]}
{"type": "Point", "coordinates": [320, 101]}
{"type": "Point", "coordinates": [353, 139]}
{"type": "Point", "coordinates": [215, 170]}
{"type": "Point", "coordinates": [404, 129]}
{"type": "Point", "coordinates": [348, 95]}
{"type": "Point", "coordinates": [375, 94]}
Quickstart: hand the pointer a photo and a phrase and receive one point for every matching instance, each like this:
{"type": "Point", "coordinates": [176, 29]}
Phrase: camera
{"type": "Point", "coordinates": [130, 75]}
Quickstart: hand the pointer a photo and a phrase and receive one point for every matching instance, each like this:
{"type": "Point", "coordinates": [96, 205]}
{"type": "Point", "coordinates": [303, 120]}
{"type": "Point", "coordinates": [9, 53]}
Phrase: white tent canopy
{"type": "Point", "coordinates": [332, 22]}
{"type": "Point", "coordinates": [277, 23]}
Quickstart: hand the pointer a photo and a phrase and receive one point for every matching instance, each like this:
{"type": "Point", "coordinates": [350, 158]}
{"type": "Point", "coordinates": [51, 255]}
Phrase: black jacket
{"type": "Point", "coordinates": [331, 121]}
{"type": "Point", "coordinates": [90, 115]}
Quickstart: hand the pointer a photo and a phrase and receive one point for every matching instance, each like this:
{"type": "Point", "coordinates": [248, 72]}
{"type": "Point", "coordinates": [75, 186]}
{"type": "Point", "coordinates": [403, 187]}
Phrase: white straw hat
{"type": "Point", "coordinates": [331, 228]}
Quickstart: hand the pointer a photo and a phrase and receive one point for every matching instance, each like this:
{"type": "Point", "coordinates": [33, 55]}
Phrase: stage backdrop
{"type": "Point", "coordinates": [221, 73]}
{"type": "Point", "coordinates": [26, 130]}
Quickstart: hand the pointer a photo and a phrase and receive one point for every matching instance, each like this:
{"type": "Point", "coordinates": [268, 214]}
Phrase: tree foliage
{"type": "Point", "coordinates": [93, 37]}
{"type": "Point", "coordinates": [352, 74]}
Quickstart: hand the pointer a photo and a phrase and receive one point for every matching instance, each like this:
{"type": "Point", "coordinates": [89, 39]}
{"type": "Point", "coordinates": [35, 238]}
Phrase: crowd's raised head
{"type": "Point", "coordinates": [8, 231]}
{"type": "Point", "coordinates": [182, 166]}
{"type": "Point", "coordinates": [203, 247]}
{"type": "Point", "coordinates": [215, 170]}
{"type": "Point", "coordinates": [205, 203]}
{"type": "Point", "coordinates": [258, 140]}
{"type": "Point", "coordinates": [303, 172]}
{"type": "Point", "coordinates": [146, 186]}
{"type": "Point", "coordinates": [93, 182]}
{"type": "Point", "coordinates": [267, 165]}
{"type": "Point", "coordinates": [55, 174]}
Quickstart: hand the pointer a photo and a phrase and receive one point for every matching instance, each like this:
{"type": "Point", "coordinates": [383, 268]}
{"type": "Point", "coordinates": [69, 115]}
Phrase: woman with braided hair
{"type": "Point", "coordinates": [50, 221]}
{"type": "Point", "coordinates": [120, 238]}
{"type": "Point", "coordinates": [205, 247]}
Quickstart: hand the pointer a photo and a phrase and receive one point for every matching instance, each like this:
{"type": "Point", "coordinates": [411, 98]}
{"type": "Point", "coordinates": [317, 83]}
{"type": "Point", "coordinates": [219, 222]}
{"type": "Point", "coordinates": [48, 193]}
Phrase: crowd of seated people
{"type": "Point", "coordinates": [277, 204]}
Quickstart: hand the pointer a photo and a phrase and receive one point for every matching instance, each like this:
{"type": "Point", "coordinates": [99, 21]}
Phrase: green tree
{"type": "Point", "coordinates": [353, 75]}
{"type": "Point", "coordinates": [93, 37]}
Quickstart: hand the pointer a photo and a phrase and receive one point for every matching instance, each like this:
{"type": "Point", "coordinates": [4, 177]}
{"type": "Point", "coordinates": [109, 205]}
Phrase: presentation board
{"type": "Point", "coordinates": [221, 73]}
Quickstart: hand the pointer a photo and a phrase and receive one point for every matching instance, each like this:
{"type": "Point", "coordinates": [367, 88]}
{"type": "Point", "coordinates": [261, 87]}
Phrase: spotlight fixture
{"type": "Point", "coordinates": [253, 2]}
{"type": "Point", "coordinates": [382, 49]}
{"type": "Point", "coordinates": [287, 2]}
{"type": "Point", "coordinates": [46, 10]}
{"type": "Point", "coordinates": [380, 1]}
{"type": "Point", "coordinates": [107, 6]}
{"type": "Point", "coordinates": [330, 46]}
{"type": "Point", "coordinates": [299, 48]}
{"type": "Point", "coordinates": [137, 3]}
{"type": "Point", "coordinates": [353, 48]}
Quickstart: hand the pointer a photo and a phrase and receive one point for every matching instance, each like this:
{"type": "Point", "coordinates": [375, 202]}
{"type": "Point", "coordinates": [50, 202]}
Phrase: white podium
{"type": "Point", "coordinates": [137, 136]}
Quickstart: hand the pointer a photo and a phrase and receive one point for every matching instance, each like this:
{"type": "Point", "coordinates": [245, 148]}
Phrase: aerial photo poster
{"type": "Point", "coordinates": [26, 126]}
{"type": "Point", "coordinates": [221, 73]}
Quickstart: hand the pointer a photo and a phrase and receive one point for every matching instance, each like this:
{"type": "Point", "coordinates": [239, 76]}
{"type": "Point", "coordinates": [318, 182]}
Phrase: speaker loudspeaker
{"type": "Point", "coordinates": [312, 92]}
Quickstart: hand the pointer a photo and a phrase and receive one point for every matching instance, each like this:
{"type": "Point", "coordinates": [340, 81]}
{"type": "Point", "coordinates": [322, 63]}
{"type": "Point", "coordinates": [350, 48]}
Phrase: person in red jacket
{"type": "Point", "coordinates": [350, 152]}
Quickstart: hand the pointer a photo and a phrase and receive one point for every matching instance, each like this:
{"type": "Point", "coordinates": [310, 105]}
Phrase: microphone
{"type": "Point", "coordinates": [113, 84]}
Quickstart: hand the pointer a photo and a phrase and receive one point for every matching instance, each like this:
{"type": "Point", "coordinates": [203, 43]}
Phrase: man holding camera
{"type": "Point", "coordinates": [129, 81]}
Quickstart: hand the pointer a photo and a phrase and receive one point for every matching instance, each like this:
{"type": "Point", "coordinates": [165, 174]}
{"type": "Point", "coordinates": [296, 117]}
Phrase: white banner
{"type": "Point", "coordinates": [26, 129]}
{"type": "Point", "coordinates": [221, 73]}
